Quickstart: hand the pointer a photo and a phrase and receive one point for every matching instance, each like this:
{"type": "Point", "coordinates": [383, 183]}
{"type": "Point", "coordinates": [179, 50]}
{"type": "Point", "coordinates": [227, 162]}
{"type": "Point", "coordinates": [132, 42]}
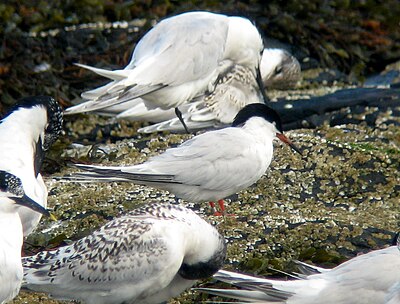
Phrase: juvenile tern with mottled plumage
{"type": "Point", "coordinates": [234, 90]}
{"type": "Point", "coordinates": [366, 279]}
{"type": "Point", "coordinates": [12, 198]}
{"type": "Point", "coordinates": [26, 133]}
{"type": "Point", "coordinates": [279, 69]}
{"type": "Point", "coordinates": [208, 167]}
{"type": "Point", "coordinates": [236, 87]}
{"type": "Point", "coordinates": [149, 255]}
{"type": "Point", "coordinates": [180, 58]}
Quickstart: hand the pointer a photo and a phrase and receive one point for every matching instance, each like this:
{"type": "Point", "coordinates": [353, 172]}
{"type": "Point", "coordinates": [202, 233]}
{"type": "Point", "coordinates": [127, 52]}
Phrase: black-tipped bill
{"type": "Point", "coordinates": [26, 201]}
{"type": "Point", "coordinates": [287, 141]}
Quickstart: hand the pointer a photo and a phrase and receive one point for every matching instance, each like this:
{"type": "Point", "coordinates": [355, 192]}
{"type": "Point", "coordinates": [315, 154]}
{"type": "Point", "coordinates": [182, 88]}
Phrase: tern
{"type": "Point", "coordinates": [149, 255]}
{"type": "Point", "coordinates": [236, 88]}
{"type": "Point", "coordinates": [26, 133]}
{"type": "Point", "coordinates": [368, 278]}
{"type": "Point", "coordinates": [208, 167]}
{"type": "Point", "coordinates": [12, 198]}
{"type": "Point", "coordinates": [180, 58]}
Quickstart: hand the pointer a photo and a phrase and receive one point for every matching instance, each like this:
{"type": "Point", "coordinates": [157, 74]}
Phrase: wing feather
{"type": "Point", "coordinates": [124, 251]}
{"type": "Point", "coordinates": [203, 161]}
{"type": "Point", "coordinates": [201, 35]}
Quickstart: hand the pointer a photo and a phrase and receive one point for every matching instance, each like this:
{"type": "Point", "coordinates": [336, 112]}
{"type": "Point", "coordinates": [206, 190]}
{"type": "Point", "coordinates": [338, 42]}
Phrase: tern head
{"type": "Point", "coordinates": [205, 269]}
{"type": "Point", "coordinates": [54, 114]}
{"type": "Point", "coordinates": [269, 114]}
{"type": "Point", "coordinates": [207, 260]}
{"type": "Point", "coordinates": [54, 117]}
{"type": "Point", "coordinates": [279, 69]}
{"type": "Point", "coordinates": [11, 187]}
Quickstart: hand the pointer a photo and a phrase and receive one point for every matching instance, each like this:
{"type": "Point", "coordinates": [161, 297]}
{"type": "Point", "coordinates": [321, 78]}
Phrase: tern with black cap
{"type": "Point", "coordinates": [210, 166]}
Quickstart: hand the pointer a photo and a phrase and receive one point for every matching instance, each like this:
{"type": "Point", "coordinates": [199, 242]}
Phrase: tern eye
{"type": "Point", "coordinates": [278, 70]}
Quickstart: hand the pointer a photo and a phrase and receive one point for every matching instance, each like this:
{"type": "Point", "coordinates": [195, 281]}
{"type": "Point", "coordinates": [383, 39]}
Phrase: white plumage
{"type": "Point", "coordinates": [370, 278]}
{"type": "Point", "coordinates": [146, 256]}
{"type": "Point", "coordinates": [26, 132]}
{"type": "Point", "coordinates": [180, 58]}
{"type": "Point", "coordinates": [12, 198]}
{"type": "Point", "coordinates": [11, 239]}
{"type": "Point", "coordinates": [210, 166]}
{"type": "Point", "coordinates": [236, 88]}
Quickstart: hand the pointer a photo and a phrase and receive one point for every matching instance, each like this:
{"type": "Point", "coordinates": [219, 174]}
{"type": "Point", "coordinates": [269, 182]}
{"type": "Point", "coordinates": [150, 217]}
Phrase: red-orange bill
{"type": "Point", "coordinates": [287, 141]}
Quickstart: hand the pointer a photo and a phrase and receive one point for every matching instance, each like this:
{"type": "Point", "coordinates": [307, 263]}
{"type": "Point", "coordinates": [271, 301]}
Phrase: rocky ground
{"type": "Point", "coordinates": [338, 200]}
{"type": "Point", "coordinates": [41, 40]}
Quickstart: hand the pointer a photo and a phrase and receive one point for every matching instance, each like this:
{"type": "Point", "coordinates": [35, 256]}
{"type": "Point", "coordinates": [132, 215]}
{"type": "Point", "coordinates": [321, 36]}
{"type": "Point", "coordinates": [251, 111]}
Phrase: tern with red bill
{"type": "Point", "coordinates": [208, 167]}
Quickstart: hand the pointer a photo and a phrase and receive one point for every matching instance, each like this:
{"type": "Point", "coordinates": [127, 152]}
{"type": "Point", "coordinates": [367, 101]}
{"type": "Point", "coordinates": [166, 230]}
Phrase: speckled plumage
{"type": "Point", "coordinates": [145, 256]}
{"type": "Point", "coordinates": [279, 69]}
{"type": "Point", "coordinates": [235, 88]}
{"type": "Point", "coordinates": [10, 184]}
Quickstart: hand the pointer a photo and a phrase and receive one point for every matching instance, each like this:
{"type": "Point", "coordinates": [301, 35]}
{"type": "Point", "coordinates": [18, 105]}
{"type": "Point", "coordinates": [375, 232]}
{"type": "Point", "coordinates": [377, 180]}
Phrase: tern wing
{"type": "Point", "coordinates": [307, 269]}
{"type": "Point", "coordinates": [257, 289]}
{"type": "Point", "coordinates": [124, 252]}
{"type": "Point", "coordinates": [216, 160]}
{"type": "Point", "coordinates": [197, 39]}
{"type": "Point", "coordinates": [365, 278]}
{"type": "Point", "coordinates": [141, 112]}
{"type": "Point", "coordinates": [236, 88]}
{"type": "Point", "coordinates": [181, 49]}
{"type": "Point", "coordinates": [248, 296]}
